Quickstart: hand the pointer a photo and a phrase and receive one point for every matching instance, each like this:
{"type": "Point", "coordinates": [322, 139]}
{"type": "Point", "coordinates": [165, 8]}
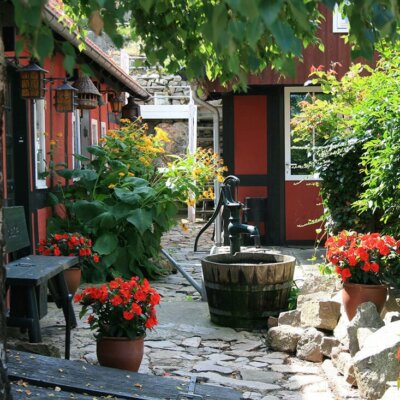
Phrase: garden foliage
{"type": "Point", "coordinates": [126, 196]}
{"type": "Point", "coordinates": [360, 164]}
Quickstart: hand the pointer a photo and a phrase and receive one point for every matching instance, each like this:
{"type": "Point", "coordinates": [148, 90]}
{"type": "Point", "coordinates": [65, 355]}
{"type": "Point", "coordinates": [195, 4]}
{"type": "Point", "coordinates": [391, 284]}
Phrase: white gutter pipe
{"type": "Point", "coordinates": [216, 149]}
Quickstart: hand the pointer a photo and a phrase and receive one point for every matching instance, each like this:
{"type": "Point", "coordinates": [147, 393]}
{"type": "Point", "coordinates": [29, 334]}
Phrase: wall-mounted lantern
{"type": "Point", "coordinates": [131, 110]}
{"type": "Point", "coordinates": [32, 81]}
{"type": "Point", "coordinates": [65, 98]}
{"type": "Point", "coordinates": [116, 101]}
{"type": "Point", "coordinates": [88, 94]}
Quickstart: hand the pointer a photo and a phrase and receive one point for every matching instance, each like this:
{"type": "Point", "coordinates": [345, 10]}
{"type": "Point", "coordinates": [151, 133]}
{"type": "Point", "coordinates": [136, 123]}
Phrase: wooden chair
{"type": "Point", "coordinates": [29, 279]}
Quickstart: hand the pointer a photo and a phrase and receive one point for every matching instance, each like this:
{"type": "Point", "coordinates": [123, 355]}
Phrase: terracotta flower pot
{"type": "Point", "coordinates": [121, 353]}
{"type": "Point", "coordinates": [354, 294]}
{"type": "Point", "coordinates": [72, 277]}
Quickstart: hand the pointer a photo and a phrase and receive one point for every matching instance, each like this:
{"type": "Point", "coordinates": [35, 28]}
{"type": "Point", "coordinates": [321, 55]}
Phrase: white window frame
{"type": "Point", "coordinates": [39, 127]}
{"type": "Point", "coordinates": [103, 129]}
{"type": "Point", "coordinates": [94, 130]}
{"type": "Point", "coordinates": [340, 24]}
{"type": "Point", "coordinates": [76, 137]}
{"type": "Point", "coordinates": [288, 90]}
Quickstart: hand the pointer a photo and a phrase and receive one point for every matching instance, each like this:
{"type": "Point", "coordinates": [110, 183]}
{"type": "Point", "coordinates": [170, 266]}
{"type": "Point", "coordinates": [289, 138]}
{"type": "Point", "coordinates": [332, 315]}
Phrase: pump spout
{"type": "Point", "coordinates": [235, 230]}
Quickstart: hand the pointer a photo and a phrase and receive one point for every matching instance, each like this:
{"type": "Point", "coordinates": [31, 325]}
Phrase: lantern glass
{"type": "Point", "coordinates": [32, 81]}
{"type": "Point", "coordinates": [65, 98]}
{"type": "Point", "coordinates": [116, 103]}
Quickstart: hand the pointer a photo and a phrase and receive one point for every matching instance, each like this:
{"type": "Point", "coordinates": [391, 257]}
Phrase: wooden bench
{"type": "Point", "coordinates": [40, 375]}
{"type": "Point", "coordinates": [29, 279]}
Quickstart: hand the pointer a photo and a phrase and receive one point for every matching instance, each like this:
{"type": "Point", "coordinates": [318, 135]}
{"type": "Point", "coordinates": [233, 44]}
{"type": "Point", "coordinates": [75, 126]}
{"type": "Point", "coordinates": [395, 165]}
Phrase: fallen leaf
{"type": "Point", "coordinates": [138, 385]}
{"type": "Point", "coordinates": [57, 389]}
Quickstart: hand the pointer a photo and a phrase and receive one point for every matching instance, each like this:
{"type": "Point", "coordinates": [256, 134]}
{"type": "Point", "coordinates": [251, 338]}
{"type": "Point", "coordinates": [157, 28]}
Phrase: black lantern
{"type": "Point", "coordinates": [131, 110]}
{"type": "Point", "coordinates": [65, 98]}
{"type": "Point", "coordinates": [116, 102]}
{"type": "Point", "coordinates": [88, 94]}
{"type": "Point", "coordinates": [32, 81]}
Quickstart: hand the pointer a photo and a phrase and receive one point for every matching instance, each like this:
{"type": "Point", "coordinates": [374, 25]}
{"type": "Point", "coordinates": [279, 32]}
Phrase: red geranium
{"type": "Point", "coordinates": [120, 308]}
{"type": "Point", "coordinates": [69, 244]}
{"type": "Point", "coordinates": [364, 258]}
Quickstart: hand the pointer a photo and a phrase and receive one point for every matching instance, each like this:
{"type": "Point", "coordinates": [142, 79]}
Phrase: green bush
{"type": "Point", "coordinates": [123, 213]}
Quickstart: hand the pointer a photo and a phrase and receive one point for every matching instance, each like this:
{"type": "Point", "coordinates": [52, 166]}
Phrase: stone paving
{"type": "Point", "coordinates": [185, 342]}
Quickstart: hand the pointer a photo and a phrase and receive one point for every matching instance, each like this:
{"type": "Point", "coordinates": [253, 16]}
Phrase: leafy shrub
{"type": "Point", "coordinates": [126, 197]}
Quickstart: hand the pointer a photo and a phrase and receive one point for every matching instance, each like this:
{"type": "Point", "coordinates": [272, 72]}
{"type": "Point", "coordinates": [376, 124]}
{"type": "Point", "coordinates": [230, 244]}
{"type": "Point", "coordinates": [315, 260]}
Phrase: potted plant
{"type": "Point", "coordinates": [120, 313]}
{"type": "Point", "coordinates": [70, 244]}
{"type": "Point", "coordinates": [366, 263]}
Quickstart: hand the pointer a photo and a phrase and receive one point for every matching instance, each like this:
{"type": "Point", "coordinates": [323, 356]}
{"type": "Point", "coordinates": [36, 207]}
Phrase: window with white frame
{"type": "Point", "coordinates": [39, 122]}
{"type": "Point", "coordinates": [94, 127]}
{"type": "Point", "coordinates": [76, 134]}
{"type": "Point", "coordinates": [340, 23]}
{"type": "Point", "coordinates": [300, 154]}
{"type": "Point", "coordinates": [103, 129]}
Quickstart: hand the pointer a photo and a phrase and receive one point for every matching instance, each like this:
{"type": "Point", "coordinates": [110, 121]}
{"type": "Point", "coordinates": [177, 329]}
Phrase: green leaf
{"type": "Point", "coordinates": [80, 157]}
{"type": "Point", "coordinates": [65, 173]}
{"type": "Point", "coordinates": [69, 64]}
{"type": "Point", "coordinates": [127, 196]}
{"type": "Point", "coordinates": [86, 174]}
{"type": "Point", "coordinates": [96, 150]}
{"type": "Point", "coordinates": [106, 243]}
{"type": "Point", "coordinates": [87, 210]}
{"type": "Point", "coordinates": [285, 37]}
{"type": "Point", "coordinates": [269, 11]}
{"type": "Point", "coordinates": [53, 199]}
{"type": "Point", "coordinates": [105, 220]}
{"type": "Point", "coordinates": [19, 46]}
{"type": "Point", "coordinates": [140, 219]}
{"type": "Point", "coordinates": [45, 42]}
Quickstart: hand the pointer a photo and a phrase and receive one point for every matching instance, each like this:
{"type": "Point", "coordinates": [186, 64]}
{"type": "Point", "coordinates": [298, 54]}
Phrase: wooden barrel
{"type": "Point", "coordinates": [244, 289]}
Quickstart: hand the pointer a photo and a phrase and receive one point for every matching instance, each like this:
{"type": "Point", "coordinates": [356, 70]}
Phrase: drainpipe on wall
{"type": "Point", "coordinates": [216, 149]}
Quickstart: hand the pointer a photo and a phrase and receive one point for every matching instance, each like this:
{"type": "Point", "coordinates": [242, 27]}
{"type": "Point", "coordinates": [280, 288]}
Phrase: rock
{"type": "Point", "coordinates": [320, 283]}
{"type": "Point", "coordinates": [323, 314]}
{"type": "Point", "coordinates": [391, 316]}
{"type": "Point", "coordinates": [327, 344]}
{"type": "Point", "coordinates": [376, 363]}
{"type": "Point", "coordinates": [340, 332]}
{"type": "Point", "coordinates": [362, 334]}
{"type": "Point", "coordinates": [260, 376]}
{"type": "Point", "coordinates": [317, 296]}
{"type": "Point", "coordinates": [248, 345]}
{"type": "Point", "coordinates": [284, 338]}
{"type": "Point", "coordinates": [393, 301]}
{"type": "Point", "coordinates": [290, 318]}
{"type": "Point", "coordinates": [366, 317]}
{"type": "Point", "coordinates": [272, 322]}
{"type": "Point", "coordinates": [205, 366]}
{"type": "Point", "coordinates": [344, 364]}
{"type": "Point", "coordinates": [309, 346]}
{"type": "Point", "coordinates": [392, 393]}
{"type": "Point", "coordinates": [295, 369]}
{"type": "Point", "coordinates": [191, 342]}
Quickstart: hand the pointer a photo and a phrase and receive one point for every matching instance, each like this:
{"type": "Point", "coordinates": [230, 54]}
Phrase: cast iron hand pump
{"type": "Point", "coordinates": [235, 227]}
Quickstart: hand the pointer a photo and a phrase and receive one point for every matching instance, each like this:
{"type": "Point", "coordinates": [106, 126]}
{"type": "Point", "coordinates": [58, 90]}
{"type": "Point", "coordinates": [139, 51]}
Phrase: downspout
{"type": "Point", "coordinates": [216, 149]}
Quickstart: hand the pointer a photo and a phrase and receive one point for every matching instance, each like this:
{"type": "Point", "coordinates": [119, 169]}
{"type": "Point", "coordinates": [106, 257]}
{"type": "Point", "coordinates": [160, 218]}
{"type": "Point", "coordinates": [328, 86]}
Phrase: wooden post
{"type": "Point", "coordinates": [4, 383]}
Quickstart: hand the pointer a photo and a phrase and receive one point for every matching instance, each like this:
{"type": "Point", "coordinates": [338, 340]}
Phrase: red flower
{"type": "Point", "coordinates": [127, 306]}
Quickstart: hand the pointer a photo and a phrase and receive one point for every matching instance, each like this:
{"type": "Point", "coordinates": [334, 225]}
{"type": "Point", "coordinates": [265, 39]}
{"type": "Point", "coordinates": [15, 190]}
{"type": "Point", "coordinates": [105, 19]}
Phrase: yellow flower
{"type": "Point", "coordinates": [191, 202]}
{"type": "Point", "coordinates": [121, 174]}
{"type": "Point", "coordinates": [131, 174]}
{"type": "Point", "coordinates": [161, 135]}
{"type": "Point", "coordinates": [59, 134]}
{"type": "Point", "coordinates": [220, 178]}
{"type": "Point", "coordinates": [53, 142]}
{"type": "Point", "coordinates": [111, 186]}
{"type": "Point", "coordinates": [184, 227]}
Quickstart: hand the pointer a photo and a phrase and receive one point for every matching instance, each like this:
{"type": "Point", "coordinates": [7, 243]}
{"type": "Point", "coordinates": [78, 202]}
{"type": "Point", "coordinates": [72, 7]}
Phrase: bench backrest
{"type": "Point", "coordinates": [15, 231]}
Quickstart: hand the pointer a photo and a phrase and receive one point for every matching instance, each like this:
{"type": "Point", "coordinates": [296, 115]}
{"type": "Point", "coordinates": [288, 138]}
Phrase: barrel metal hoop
{"type": "Point", "coordinates": [252, 287]}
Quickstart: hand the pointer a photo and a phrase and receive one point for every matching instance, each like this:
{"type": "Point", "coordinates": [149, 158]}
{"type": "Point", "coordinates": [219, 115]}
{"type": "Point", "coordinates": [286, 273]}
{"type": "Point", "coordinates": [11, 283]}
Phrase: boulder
{"type": "Point", "coordinates": [376, 363]}
{"type": "Point", "coordinates": [320, 283]}
{"type": "Point", "coordinates": [393, 301]}
{"type": "Point", "coordinates": [317, 296]}
{"type": "Point", "coordinates": [340, 332]}
{"type": "Point", "coordinates": [366, 317]}
{"type": "Point", "coordinates": [343, 362]}
{"type": "Point", "coordinates": [290, 318]}
{"type": "Point", "coordinates": [323, 314]}
{"type": "Point", "coordinates": [272, 322]}
{"type": "Point", "coordinates": [391, 316]}
{"type": "Point", "coordinates": [327, 344]}
{"type": "Point", "coordinates": [363, 334]}
{"type": "Point", "coordinates": [309, 345]}
{"type": "Point", "coordinates": [284, 338]}
{"type": "Point", "coordinates": [43, 349]}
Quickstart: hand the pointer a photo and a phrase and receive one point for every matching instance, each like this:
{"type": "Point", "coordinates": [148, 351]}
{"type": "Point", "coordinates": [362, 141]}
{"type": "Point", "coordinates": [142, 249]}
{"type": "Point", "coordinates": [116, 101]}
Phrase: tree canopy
{"type": "Point", "coordinates": [224, 39]}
